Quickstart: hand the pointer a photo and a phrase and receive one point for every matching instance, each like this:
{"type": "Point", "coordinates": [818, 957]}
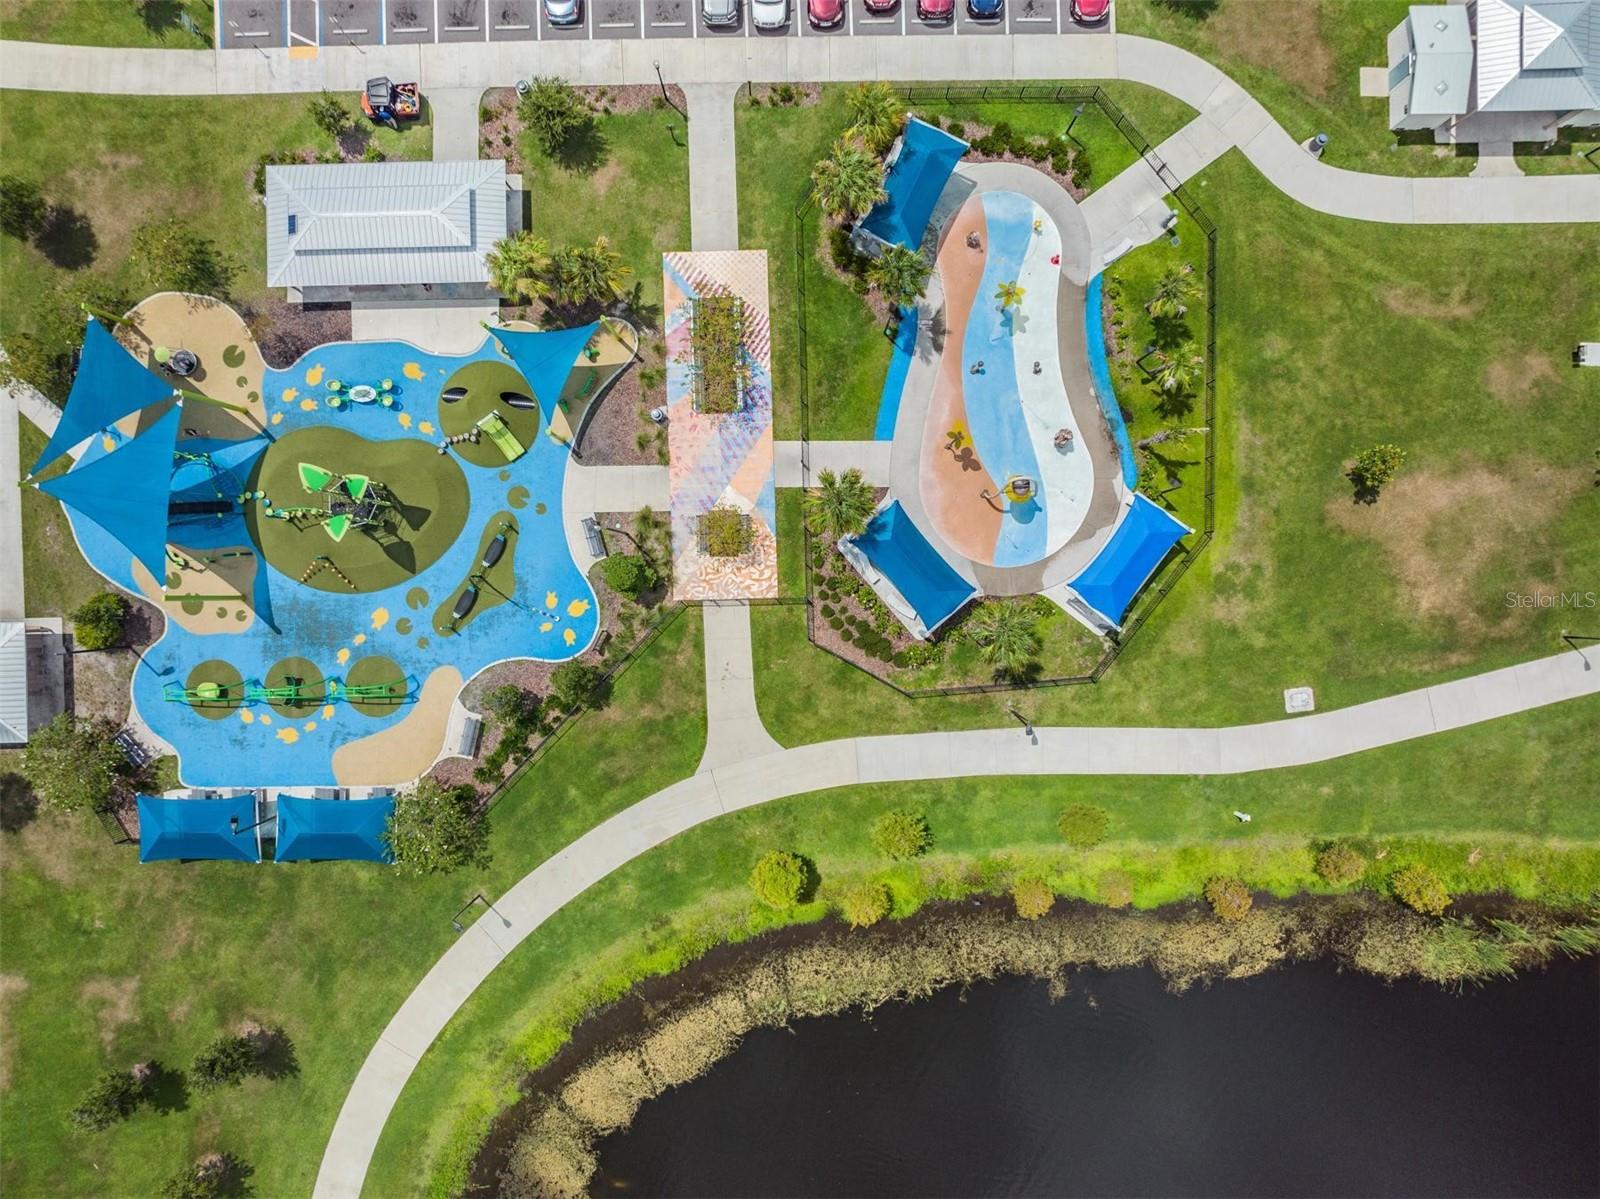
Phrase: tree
{"type": "Point", "coordinates": [553, 112]}
{"type": "Point", "coordinates": [865, 904]}
{"type": "Point", "coordinates": [519, 267]}
{"type": "Point", "coordinates": [1229, 898]}
{"type": "Point", "coordinates": [1032, 897]}
{"type": "Point", "coordinates": [435, 829]}
{"type": "Point", "coordinates": [74, 763]}
{"type": "Point", "coordinates": [170, 257]}
{"type": "Point", "coordinates": [212, 1177]}
{"type": "Point", "coordinates": [22, 206]}
{"type": "Point", "coordinates": [628, 574]}
{"type": "Point", "coordinates": [32, 362]}
{"type": "Point", "coordinates": [779, 879]}
{"type": "Point", "coordinates": [839, 505]}
{"type": "Point", "coordinates": [1007, 637]}
{"type": "Point", "coordinates": [901, 834]}
{"type": "Point", "coordinates": [97, 623]}
{"type": "Point", "coordinates": [900, 275]}
{"type": "Point", "coordinates": [115, 1096]}
{"type": "Point", "coordinates": [1421, 890]}
{"type": "Point", "coordinates": [1177, 373]}
{"type": "Point", "coordinates": [575, 685]}
{"type": "Point", "coordinates": [876, 114]}
{"type": "Point", "coordinates": [1174, 291]}
{"type": "Point", "coordinates": [583, 274]}
{"type": "Point", "coordinates": [1376, 468]}
{"type": "Point", "coordinates": [330, 115]}
{"type": "Point", "coordinates": [1083, 825]}
{"type": "Point", "coordinates": [848, 182]}
{"type": "Point", "coordinates": [1340, 865]}
{"type": "Point", "coordinates": [226, 1062]}
{"type": "Point", "coordinates": [511, 705]}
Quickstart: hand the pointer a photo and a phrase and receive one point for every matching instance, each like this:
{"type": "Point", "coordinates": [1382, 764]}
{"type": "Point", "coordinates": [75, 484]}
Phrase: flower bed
{"type": "Point", "coordinates": [717, 352]}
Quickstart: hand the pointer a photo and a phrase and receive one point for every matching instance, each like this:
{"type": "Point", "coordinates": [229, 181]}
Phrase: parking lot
{"type": "Point", "coordinates": [277, 23]}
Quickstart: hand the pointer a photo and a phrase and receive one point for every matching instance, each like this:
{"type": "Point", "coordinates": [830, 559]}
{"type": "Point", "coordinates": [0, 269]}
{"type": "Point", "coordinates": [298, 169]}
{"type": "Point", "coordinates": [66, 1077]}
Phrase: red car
{"type": "Point", "coordinates": [879, 7]}
{"type": "Point", "coordinates": [825, 14]}
{"type": "Point", "coordinates": [936, 10]}
{"type": "Point", "coordinates": [1090, 12]}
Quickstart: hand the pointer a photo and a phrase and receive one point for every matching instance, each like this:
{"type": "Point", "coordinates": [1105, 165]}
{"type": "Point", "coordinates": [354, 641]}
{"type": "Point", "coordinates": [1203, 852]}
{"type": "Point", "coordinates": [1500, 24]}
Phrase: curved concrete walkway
{"type": "Point", "coordinates": [1228, 115]}
{"type": "Point", "coordinates": [1007, 751]}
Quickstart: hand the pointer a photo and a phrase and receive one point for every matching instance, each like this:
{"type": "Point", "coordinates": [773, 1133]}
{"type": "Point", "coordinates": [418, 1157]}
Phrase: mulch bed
{"type": "Point", "coordinates": [284, 331]}
{"type": "Point", "coordinates": [785, 95]}
{"type": "Point", "coordinates": [500, 130]}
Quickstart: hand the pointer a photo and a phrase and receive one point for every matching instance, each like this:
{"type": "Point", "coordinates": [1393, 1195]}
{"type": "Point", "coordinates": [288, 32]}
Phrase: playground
{"type": "Point", "coordinates": [344, 546]}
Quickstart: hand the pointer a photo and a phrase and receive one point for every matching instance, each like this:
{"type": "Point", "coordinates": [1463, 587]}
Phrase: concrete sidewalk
{"type": "Point", "coordinates": [13, 604]}
{"type": "Point", "coordinates": [1005, 751]}
{"type": "Point", "coordinates": [871, 458]}
{"type": "Point", "coordinates": [734, 732]}
{"type": "Point", "coordinates": [713, 177]}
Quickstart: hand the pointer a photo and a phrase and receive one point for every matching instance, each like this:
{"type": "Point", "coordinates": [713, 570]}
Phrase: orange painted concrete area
{"type": "Point", "coordinates": [953, 477]}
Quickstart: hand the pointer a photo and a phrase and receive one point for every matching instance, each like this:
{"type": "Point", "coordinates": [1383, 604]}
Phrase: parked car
{"type": "Point", "coordinates": [936, 10]}
{"type": "Point", "coordinates": [719, 14]}
{"type": "Point", "coordinates": [878, 7]}
{"type": "Point", "coordinates": [986, 10]}
{"type": "Point", "coordinates": [1090, 12]}
{"type": "Point", "coordinates": [563, 12]}
{"type": "Point", "coordinates": [769, 14]}
{"type": "Point", "coordinates": [825, 14]}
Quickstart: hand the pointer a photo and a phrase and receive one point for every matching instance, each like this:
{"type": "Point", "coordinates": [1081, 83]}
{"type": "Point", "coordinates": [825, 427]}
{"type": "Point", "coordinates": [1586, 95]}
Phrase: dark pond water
{"type": "Point", "coordinates": [1303, 1081]}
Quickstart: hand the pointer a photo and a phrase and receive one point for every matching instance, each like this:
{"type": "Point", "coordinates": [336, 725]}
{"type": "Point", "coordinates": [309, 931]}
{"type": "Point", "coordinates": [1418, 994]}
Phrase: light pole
{"type": "Point", "coordinates": [656, 63]}
{"type": "Point", "coordinates": [1572, 639]}
{"type": "Point", "coordinates": [233, 824]}
{"type": "Point", "coordinates": [1076, 113]}
{"type": "Point", "coordinates": [455, 921]}
{"type": "Point", "coordinates": [1027, 725]}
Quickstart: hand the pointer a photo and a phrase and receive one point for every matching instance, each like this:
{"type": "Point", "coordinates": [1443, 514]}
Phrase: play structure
{"type": "Point", "coordinates": [293, 692]}
{"type": "Point", "coordinates": [381, 393]}
{"type": "Point", "coordinates": [348, 502]}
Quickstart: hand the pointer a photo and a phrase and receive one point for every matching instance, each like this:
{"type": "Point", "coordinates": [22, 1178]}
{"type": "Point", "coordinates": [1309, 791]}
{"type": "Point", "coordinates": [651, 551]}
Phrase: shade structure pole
{"type": "Point", "coordinates": [205, 399]}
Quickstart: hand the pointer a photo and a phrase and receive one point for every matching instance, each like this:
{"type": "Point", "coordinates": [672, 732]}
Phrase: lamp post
{"type": "Point", "coordinates": [455, 921]}
{"type": "Point", "coordinates": [656, 63]}
{"type": "Point", "coordinates": [233, 824]}
{"type": "Point", "coordinates": [1076, 113]}
{"type": "Point", "coordinates": [1027, 725]}
{"type": "Point", "coordinates": [1572, 639]}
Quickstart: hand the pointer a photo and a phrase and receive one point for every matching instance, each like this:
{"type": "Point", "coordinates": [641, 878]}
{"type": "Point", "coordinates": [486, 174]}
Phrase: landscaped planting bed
{"type": "Point", "coordinates": [717, 345]}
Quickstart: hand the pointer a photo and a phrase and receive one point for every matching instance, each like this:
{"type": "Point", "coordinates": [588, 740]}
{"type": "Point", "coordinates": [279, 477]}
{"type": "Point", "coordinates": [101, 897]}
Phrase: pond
{"type": "Point", "coordinates": [1301, 1081]}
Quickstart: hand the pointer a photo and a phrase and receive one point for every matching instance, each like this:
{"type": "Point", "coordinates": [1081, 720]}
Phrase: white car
{"type": "Point", "coordinates": [769, 14]}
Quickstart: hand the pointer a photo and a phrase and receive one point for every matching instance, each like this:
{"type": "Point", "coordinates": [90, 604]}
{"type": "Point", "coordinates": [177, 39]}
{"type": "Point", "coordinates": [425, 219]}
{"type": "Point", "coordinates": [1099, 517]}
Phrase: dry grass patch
{"type": "Point", "coordinates": [1287, 42]}
{"type": "Point", "coordinates": [115, 1001]}
{"type": "Point", "coordinates": [1458, 305]}
{"type": "Point", "coordinates": [10, 985]}
{"type": "Point", "coordinates": [1517, 378]}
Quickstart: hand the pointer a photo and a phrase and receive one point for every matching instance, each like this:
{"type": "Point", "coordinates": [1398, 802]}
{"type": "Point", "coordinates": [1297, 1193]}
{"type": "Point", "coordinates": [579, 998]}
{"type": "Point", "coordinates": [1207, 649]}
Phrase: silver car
{"type": "Point", "coordinates": [769, 14]}
{"type": "Point", "coordinates": [719, 14]}
{"type": "Point", "coordinates": [564, 12]}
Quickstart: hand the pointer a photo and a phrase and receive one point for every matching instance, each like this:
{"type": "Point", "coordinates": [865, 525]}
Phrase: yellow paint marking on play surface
{"type": "Point", "coordinates": [288, 736]}
{"type": "Point", "coordinates": [550, 599]}
{"type": "Point", "coordinates": [246, 716]}
{"type": "Point", "coordinates": [310, 726]}
{"type": "Point", "coordinates": [380, 617]}
{"type": "Point", "coordinates": [546, 626]}
{"type": "Point", "coordinates": [289, 394]}
{"type": "Point", "coordinates": [308, 405]}
{"type": "Point", "coordinates": [343, 655]}
{"type": "Point", "coordinates": [425, 428]}
{"type": "Point", "coordinates": [314, 376]}
{"type": "Point", "coordinates": [405, 420]}
{"type": "Point", "coordinates": [327, 712]}
{"type": "Point", "coordinates": [359, 639]}
{"type": "Point", "coordinates": [569, 636]}
{"type": "Point", "coordinates": [412, 371]}
{"type": "Point", "coordinates": [277, 418]}
{"type": "Point", "coordinates": [577, 607]}
{"type": "Point", "coordinates": [265, 718]}
{"type": "Point", "coordinates": [108, 444]}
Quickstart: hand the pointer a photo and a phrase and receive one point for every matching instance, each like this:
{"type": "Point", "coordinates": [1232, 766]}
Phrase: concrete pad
{"type": "Point", "coordinates": [1374, 83]}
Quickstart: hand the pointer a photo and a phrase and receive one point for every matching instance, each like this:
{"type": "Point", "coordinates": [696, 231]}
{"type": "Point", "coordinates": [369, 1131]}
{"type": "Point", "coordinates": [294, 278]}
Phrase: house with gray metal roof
{"type": "Point", "coordinates": [350, 226]}
{"type": "Point", "coordinates": [1505, 70]}
{"type": "Point", "coordinates": [13, 683]}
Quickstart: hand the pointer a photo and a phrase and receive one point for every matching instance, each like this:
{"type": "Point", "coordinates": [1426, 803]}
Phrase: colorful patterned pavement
{"type": "Point", "coordinates": [720, 460]}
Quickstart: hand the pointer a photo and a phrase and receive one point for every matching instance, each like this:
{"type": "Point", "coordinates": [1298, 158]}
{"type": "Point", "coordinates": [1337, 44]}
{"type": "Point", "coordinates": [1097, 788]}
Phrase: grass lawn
{"type": "Point", "coordinates": [55, 576]}
{"type": "Point", "coordinates": [1332, 335]}
{"type": "Point", "coordinates": [636, 193]}
{"type": "Point", "coordinates": [108, 962]}
{"type": "Point", "coordinates": [1518, 778]}
{"type": "Point", "coordinates": [1565, 157]}
{"type": "Point", "coordinates": [129, 159]}
{"type": "Point", "coordinates": [847, 353]}
{"type": "Point", "coordinates": [108, 22]}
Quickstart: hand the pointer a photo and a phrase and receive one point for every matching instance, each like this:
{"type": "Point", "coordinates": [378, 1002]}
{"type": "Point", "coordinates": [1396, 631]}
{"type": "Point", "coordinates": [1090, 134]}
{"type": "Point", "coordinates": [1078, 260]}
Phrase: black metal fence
{"type": "Point", "coordinates": [1173, 569]}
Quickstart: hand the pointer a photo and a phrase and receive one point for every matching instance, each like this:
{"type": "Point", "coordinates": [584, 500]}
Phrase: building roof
{"type": "Point", "coordinates": [913, 184]}
{"type": "Point", "coordinates": [1441, 79]}
{"type": "Point", "coordinates": [1538, 57]}
{"type": "Point", "coordinates": [369, 224]}
{"type": "Point", "coordinates": [13, 683]}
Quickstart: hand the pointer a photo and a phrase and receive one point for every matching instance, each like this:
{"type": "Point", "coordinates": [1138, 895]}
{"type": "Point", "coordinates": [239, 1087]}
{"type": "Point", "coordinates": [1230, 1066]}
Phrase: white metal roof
{"type": "Point", "coordinates": [1441, 79]}
{"type": "Point", "coordinates": [1539, 57]}
{"type": "Point", "coordinates": [361, 224]}
{"type": "Point", "coordinates": [13, 683]}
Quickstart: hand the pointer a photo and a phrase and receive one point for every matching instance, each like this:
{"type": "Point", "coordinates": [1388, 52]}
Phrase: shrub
{"type": "Point", "coordinates": [1082, 168]}
{"type": "Point", "coordinates": [1116, 888]}
{"type": "Point", "coordinates": [779, 879]}
{"type": "Point", "coordinates": [1083, 825]}
{"type": "Point", "coordinates": [1421, 890]}
{"type": "Point", "coordinates": [628, 574]}
{"type": "Point", "coordinates": [1375, 468]}
{"type": "Point", "coordinates": [74, 763]}
{"type": "Point", "coordinates": [553, 112]}
{"type": "Point", "coordinates": [277, 158]}
{"type": "Point", "coordinates": [115, 1096]}
{"type": "Point", "coordinates": [846, 635]}
{"type": "Point", "coordinates": [1228, 897]}
{"type": "Point", "coordinates": [97, 622]}
{"type": "Point", "coordinates": [1339, 865]}
{"type": "Point", "coordinates": [373, 153]}
{"type": "Point", "coordinates": [435, 829]}
{"type": "Point", "coordinates": [836, 623]}
{"type": "Point", "coordinates": [1035, 150]}
{"type": "Point", "coordinates": [575, 685]}
{"type": "Point", "coordinates": [865, 904]}
{"type": "Point", "coordinates": [212, 1177]}
{"type": "Point", "coordinates": [329, 114]}
{"type": "Point", "coordinates": [22, 206]}
{"type": "Point", "coordinates": [957, 129]}
{"type": "Point", "coordinates": [826, 611]}
{"type": "Point", "coordinates": [227, 1061]}
{"type": "Point", "coordinates": [901, 834]}
{"type": "Point", "coordinates": [1032, 897]}
{"type": "Point", "coordinates": [168, 256]}
{"type": "Point", "coordinates": [726, 532]}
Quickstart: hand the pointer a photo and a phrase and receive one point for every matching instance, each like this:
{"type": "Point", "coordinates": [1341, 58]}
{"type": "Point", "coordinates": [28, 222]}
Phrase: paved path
{"type": "Point", "coordinates": [734, 732]}
{"type": "Point", "coordinates": [1005, 751]}
{"type": "Point", "coordinates": [13, 606]}
{"type": "Point", "coordinates": [454, 112]}
{"type": "Point", "coordinates": [871, 458]}
{"type": "Point", "coordinates": [586, 490]}
{"type": "Point", "coordinates": [713, 179]}
{"type": "Point", "coordinates": [1235, 116]}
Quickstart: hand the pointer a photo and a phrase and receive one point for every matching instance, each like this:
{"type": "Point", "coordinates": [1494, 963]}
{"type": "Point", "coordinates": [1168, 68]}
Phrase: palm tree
{"type": "Point", "coordinates": [1174, 434]}
{"type": "Point", "coordinates": [847, 182]}
{"type": "Point", "coordinates": [876, 114]}
{"type": "Point", "coordinates": [900, 275]}
{"type": "Point", "coordinates": [586, 273]}
{"type": "Point", "coordinates": [519, 267]}
{"type": "Point", "coordinates": [1007, 637]}
{"type": "Point", "coordinates": [1173, 293]}
{"type": "Point", "coordinates": [1009, 294]}
{"type": "Point", "coordinates": [840, 505]}
{"type": "Point", "coordinates": [1177, 374]}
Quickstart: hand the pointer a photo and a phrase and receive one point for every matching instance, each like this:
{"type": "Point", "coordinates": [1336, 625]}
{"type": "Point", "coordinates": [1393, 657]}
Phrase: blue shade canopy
{"type": "Point", "coordinates": [125, 492]}
{"type": "Point", "coordinates": [227, 471]}
{"type": "Point", "coordinates": [110, 383]}
{"type": "Point", "coordinates": [899, 551]}
{"type": "Point", "coordinates": [545, 359]}
{"type": "Point", "coordinates": [1122, 568]}
{"type": "Point", "coordinates": [173, 829]}
{"type": "Point", "coordinates": [914, 183]}
{"type": "Point", "coordinates": [323, 830]}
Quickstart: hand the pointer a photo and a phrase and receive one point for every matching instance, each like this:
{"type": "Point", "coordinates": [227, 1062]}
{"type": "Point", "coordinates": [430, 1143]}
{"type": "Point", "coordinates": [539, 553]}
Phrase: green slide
{"type": "Point", "coordinates": [504, 439]}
